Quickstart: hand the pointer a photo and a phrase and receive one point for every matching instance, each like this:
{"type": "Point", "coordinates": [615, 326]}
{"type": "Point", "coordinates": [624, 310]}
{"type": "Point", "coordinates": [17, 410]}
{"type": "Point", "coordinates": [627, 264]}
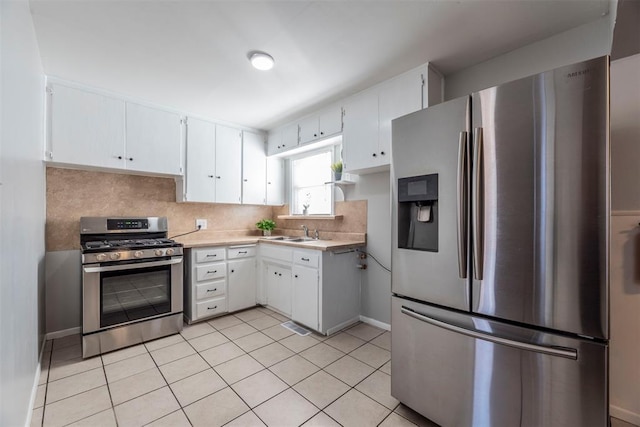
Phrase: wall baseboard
{"type": "Point", "coordinates": [624, 415]}
{"type": "Point", "coordinates": [376, 323]}
{"type": "Point", "coordinates": [34, 389]}
{"type": "Point", "coordinates": [63, 333]}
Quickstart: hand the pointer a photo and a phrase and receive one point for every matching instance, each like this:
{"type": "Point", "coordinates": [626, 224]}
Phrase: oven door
{"type": "Point", "coordinates": [123, 293]}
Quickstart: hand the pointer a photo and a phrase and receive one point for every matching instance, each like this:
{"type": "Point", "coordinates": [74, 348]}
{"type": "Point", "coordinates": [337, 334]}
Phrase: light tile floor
{"type": "Point", "coordinates": [237, 370]}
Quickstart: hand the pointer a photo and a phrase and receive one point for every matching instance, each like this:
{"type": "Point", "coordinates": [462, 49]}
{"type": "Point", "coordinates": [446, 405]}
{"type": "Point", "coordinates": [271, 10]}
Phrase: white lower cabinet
{"type": "Point", "coordinates": [219, 280]}
{"type": "Point", "coordinates": [241, 283]}
{"type": "Point", "coordinates": [278, 283]}
{"type": "Point", "coordinates": [320, 290]}
{"type": "Point", "coordinates": [304, 308]}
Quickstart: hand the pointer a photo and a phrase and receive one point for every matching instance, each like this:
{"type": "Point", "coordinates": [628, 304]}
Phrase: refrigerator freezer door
{"type": "Point", "coordinates": [434, 141]}
{"type": "Point", "coordinates": [493, 374]}
{"type": "Point", "coordinates": [541, 200]}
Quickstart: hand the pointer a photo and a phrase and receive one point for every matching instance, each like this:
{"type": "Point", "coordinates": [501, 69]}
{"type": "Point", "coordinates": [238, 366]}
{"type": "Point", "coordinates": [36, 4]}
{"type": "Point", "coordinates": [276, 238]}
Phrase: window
{"type": "Point", "coordinates": [309, 193]}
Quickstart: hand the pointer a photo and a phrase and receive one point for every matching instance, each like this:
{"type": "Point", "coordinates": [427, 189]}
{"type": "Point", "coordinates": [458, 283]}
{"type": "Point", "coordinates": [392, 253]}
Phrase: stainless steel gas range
{"type": "Point", "coordinates": [131, 282]}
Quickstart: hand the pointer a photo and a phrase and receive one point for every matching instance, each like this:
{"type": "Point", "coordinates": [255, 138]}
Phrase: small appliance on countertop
{"type": "Point", "coordinates": [131, 282]}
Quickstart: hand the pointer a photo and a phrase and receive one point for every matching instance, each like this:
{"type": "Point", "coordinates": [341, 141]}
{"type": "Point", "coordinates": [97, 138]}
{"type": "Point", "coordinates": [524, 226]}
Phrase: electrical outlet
{"type": "Point", "coordinates": [202, 223]}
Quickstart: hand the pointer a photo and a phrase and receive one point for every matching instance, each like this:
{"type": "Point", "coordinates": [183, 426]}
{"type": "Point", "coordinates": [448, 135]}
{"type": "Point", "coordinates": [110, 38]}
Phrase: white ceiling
{"type": "Point", "coordinates": [191, 55]}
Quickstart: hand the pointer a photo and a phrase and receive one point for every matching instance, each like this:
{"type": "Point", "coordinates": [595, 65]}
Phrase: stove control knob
{"type": "Point", "coordinates": [138, 254]}
{"type": "Point", "coordinates": [101, 257]}
{"type": "Point", "coordinates": [115, 255]}
{"type": "Point", "coordinates": [170, 252]}
{"type": "Point", "coordinates": [159, 252]}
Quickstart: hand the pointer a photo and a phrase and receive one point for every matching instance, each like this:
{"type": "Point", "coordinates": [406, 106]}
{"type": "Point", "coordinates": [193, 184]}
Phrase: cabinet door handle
{"type": "Point", "coordinates": [233, 271]}
{"type": "Point", "coordinates": [321, 133]}
{"type": "Point", "coordinates": [305, 259]}
{"type": "Point", "coordinates": [279, 274]}
{"type": "Point", "coordinates": [315, 135]}
{"type": "Point", "coordinates": [211, 272]}
{"type": "Point", "coordinates": [275, 272]}
{"type": "Point", "coordinates": [296, 276]}
{"type": "Point", "coordinates": [210, 176]}
{"type": "Point", "coordinates": [118, 157]}
{"type": "Point", "coordinates": [217, 177]}
{"type": "Point", "coordinates": [382, 153]}
{"type": "Point", "coordinates": [374, 154]}
{"type": "Point", "coordinates": [131, 159]}
{"type": "Point", "coordinates": [212, 308]}
{"type": "Point", "coordinates": [278, 146]}
{"type": "Point", "coordinates": [283, 145]}
{"type": "Point", "coordinates": [245, 180]}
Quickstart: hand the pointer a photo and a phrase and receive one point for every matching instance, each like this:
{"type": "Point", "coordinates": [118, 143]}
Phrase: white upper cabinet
{"type": "Point", "coordinates": [282, 139]}
{"type": "Point", "coordinates": [275, 181]}
{"type": "Point", "coordinates": [368, 116]}
{"type": "Point", "coordinates": [153, 140]}
{"type": "Point", "coordinates": [86, 128]}
{"type": "Point", "coordinates": [327, 123]}
{"type": "Point", "coordinates": [397, 97]}
{"type": "Point", "coordinates": [95, 130]}
{"type": "Point", "coordinates": [254, 169]}
{"type": "Point", "coordinates": [228, 160]}
{"type": "Point", "coordinates": [200, 171]}
{"type": "Point", "coordinates": [360, 134]}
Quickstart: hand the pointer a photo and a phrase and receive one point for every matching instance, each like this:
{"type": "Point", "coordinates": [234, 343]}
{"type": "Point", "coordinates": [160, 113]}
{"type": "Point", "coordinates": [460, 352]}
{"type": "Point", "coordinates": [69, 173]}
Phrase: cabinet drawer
{"type": "Point", "coordinates": [241, 251]}
{"type": "Point", "coordinates": [210, 290]}
{"type": "Point", "coordinates": [211, 307]}
{"type": "Point", "coordinates": [276, 252]}
{"type": "Point", "coordinates": [306, 258]}
{"type": "Point", "coordinates": [217, 270]}
{"type": "Point", "coordinates": [208, 255]}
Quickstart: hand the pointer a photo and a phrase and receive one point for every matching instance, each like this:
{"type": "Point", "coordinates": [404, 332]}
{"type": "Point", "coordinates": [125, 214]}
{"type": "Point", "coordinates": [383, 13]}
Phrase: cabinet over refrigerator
{"type": "Point", "coordinates": [500, 253]}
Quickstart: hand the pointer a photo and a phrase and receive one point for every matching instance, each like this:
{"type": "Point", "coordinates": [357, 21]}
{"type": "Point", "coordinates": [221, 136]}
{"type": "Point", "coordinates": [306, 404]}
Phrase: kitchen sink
{"type": "Point", "coordinates": [294, 239]}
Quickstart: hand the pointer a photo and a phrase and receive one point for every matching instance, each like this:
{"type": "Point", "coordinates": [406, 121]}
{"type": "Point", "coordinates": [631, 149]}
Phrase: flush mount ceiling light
{"type": "Point", "coordinates": [261, 61]}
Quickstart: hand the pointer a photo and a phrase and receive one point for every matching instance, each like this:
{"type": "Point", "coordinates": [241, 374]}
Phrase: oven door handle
{"type": "Point", "coordinates": [176, 260]}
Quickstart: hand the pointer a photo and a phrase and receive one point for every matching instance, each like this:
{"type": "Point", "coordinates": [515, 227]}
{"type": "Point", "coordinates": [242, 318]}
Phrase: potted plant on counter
{"type": "Point", "coordinates": [337, 170]}
{"type": "Point", "coordinates": [266, 225]}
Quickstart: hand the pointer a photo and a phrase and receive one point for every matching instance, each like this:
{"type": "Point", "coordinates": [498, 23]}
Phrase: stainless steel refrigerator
{"type": "Point", "coordinates": [500, 210]}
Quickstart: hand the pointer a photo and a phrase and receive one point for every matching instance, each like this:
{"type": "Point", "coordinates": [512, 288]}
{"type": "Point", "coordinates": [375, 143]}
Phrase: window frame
{"type": "Point", "coordinates": [327, 149]}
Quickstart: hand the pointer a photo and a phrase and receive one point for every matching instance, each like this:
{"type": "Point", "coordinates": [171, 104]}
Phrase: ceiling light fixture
{"type": "Point", "coordinates": [261, 61]}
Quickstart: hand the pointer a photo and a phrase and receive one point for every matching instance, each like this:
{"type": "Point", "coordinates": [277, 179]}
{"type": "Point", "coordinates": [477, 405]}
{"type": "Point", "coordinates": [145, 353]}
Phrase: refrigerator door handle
{"type": "Point", "coordinates": [569, 353]}
{"type": "Point", "coordinates": [463, 195]}
{"type": "Point", "coordinates": [478, 206]}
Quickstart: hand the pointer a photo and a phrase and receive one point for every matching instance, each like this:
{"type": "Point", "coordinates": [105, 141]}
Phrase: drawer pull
{"type": "Point", "coordinates": [242, 252]}
{"type": "Point", "coordinates": [296, 276]}
{"type": "Point", "coordinates": [212, 272]}
{"type": "Point", "coordinates": [212, 308]}
{"type": "Point", "coordinates": [279, 274]}
{"type": "Point", "coordinates": [212, 255]}
{"type": "Point", "coordinates": [275, 272]}
{"type": "Point", "coordinates": [305, 259]}
{"type": "Point", "coordinates": [212, 290]}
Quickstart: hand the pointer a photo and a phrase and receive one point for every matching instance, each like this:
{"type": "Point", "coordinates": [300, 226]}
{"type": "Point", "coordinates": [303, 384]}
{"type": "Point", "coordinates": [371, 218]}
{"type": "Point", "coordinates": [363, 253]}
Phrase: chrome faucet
{"type": "Point", "coordinates": [306, 231]}
{"type": "Point", "coordinates": [316, 235]}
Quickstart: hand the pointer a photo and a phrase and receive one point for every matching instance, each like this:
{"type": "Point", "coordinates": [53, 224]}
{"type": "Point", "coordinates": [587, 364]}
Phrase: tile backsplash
{"type": "Point", "coordinates": [72, 194]}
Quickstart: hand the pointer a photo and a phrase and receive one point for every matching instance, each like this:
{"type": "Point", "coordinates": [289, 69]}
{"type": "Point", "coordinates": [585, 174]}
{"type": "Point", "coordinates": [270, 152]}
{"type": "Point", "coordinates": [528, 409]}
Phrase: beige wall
{"type": "Point", "coordinates": [625, 240]}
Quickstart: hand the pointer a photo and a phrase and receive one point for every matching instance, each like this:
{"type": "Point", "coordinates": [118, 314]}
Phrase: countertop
{"type": "Point", "coordinates": [322, 245]}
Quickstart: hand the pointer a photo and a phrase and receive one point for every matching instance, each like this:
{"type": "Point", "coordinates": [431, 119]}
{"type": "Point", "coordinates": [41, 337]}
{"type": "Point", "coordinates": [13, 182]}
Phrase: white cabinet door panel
{"type": "Point", "coordinates": [228, 164]}
{"type": "Point", "coordinates": [305, 296]}
{"type": "Point", "coordinates": [330, 122]}
{"type": "Point", "coordinates": [241, 288]}
{"type": "Point", "coordinates": [289, 137]}
{"type": "Point", "coordinates": [308, 129]}
{"type": "Point", "coordinates": [200, 167]}
{"type": "Point", "coordinates": [275, 181]}
{"type": "Point", "coordinates": [278, 282]}
{"type": "Point", "coordinates": [153, 140]}
{"type": "Point", "coordinates": [398, 97]}
{"type": "Point", "coordinates": [360, 134]}
{"type": "Point", "coordinates": [254, 169]}
{"type": "Point", "coordinates": [86, 128]}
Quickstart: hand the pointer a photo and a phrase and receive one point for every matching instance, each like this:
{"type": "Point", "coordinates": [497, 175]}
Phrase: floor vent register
{"type": "Point", "coordinates": [296, 328]}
